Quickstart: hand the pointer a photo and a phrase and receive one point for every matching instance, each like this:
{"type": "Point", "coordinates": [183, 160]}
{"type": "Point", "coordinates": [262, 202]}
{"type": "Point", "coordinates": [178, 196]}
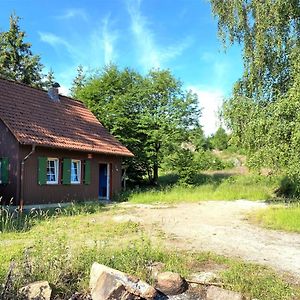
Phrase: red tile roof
{"type": "Point", "coordinates": [35, 119]}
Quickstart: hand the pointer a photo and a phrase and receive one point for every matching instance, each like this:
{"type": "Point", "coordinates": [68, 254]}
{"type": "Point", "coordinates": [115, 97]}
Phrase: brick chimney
{"type": "Point", "coordinates": [53, 92]}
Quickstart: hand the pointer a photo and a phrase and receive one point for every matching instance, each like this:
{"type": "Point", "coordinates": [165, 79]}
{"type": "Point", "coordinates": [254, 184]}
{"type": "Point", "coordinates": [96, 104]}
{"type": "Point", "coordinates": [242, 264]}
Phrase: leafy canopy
{"type": "Point", "coordinates": [152, 114]}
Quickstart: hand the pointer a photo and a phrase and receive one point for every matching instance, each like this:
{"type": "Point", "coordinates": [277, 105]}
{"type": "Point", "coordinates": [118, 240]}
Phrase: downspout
{"type": "Point", "coordinates": [22, 177]}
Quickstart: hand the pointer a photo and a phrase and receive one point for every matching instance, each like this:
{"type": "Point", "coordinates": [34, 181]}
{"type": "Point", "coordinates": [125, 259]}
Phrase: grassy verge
{"type": "Point", "coordinates": [212, 187]}
{"type": "Point", "coordinates": [279, 217]}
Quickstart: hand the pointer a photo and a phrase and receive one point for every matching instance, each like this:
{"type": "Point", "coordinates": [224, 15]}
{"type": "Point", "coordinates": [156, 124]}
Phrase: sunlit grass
{"type": "Point", "coordinates": [250, 187]}
{"type": "Point", "coordinates": [279, 217]}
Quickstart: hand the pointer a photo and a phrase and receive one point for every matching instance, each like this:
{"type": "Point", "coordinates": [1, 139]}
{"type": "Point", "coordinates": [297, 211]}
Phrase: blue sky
{"type": "Point", "coordinates": [180, 35]}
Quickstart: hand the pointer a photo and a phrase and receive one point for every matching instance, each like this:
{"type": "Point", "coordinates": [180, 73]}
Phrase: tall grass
{"type": "Point", "coordinates": [251, 187]}
{"type": "Point", "coordinates": [14, 220]}
{"type": "Point", "coordinates": [279, 217]}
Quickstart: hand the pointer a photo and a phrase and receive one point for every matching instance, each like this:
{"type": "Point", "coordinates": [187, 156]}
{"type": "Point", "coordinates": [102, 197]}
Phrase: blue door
{"type": "Point", "coordinates": [103, 186]}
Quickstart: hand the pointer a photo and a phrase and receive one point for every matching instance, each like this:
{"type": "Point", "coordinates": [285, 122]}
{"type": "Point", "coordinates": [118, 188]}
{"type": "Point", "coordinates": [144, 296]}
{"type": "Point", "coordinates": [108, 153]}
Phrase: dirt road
{"type": "Point", "coordinates": [222, 227]}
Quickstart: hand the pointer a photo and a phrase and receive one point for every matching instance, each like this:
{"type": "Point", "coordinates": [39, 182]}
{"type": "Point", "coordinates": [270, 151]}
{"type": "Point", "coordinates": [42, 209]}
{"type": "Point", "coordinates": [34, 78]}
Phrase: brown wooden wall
{"type": "Point", "coordinates": [54, 193]}
{"type": "Point", "coordinates": [9, 147]}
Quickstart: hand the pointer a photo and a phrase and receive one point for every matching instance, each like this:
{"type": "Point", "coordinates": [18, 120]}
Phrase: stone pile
{"type": "Point", "coordinates": [110, 284]}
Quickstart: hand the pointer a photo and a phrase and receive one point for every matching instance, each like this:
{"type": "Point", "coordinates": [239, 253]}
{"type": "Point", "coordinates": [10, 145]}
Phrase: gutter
{"type": "Point", "coordinates": [22, 177]}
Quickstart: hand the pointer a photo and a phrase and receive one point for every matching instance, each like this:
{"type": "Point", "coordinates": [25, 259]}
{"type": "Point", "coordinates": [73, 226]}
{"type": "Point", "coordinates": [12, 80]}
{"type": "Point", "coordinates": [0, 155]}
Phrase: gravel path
{"type": "Point", "coordinates": [222, 227]}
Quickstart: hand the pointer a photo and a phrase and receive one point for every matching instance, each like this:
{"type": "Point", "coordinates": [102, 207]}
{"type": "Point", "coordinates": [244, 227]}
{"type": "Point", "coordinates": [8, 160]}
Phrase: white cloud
{"type": "Point", "coordinates": [72, 13]}
{"type": "Point", "coordinates": [210, 102]}
{"type": "Point", "coordinates": [151, 54]}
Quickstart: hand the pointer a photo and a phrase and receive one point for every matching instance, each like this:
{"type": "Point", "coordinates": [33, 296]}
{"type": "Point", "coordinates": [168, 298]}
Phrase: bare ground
{"type": "Point", "coordinates": [222, 227]}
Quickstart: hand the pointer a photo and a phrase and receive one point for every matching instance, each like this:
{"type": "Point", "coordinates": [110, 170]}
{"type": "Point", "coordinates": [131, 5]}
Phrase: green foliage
{"type": "Point", "coordinates": [263, 113]}
{"type": "Point", "coordinates": [182, 163]}
{"type": "Point", "coordinates": [268, 43]}
{"type": "Point", "coordinates": [16, 59]}
{"type": "Point", "coordinates": [150, 114]}
{"type": "Point", "coordinates": [220, 139]}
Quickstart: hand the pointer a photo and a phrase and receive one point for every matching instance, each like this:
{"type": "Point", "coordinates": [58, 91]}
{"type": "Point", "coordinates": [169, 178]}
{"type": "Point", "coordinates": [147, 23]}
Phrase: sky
{"type": "Point", "coordinates": [179, 35]}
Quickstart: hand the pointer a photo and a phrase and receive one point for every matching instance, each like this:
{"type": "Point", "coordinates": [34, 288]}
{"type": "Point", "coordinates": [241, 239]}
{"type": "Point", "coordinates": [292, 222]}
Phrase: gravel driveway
{"type": "Point", "coordinates": [222, 227]}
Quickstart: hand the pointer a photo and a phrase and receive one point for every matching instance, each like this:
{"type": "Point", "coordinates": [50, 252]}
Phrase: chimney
{"type": "Point", "coordinates": [53, 92]}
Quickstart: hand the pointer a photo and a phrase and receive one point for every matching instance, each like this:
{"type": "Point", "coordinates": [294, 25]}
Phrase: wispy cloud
{"type": "Point", "coordinates": [109, 38]}
{"type": "Point", "coordinates": [93, 50]}
{"type": "Point", "coordinates": [151, 54]}
{"type": "Point", "coordinates": [73, 13]}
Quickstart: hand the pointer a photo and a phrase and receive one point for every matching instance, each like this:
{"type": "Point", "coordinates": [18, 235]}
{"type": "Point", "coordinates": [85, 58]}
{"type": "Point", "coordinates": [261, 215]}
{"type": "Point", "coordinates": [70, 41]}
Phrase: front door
{"type": "Point", "coordinates": [104, 181]}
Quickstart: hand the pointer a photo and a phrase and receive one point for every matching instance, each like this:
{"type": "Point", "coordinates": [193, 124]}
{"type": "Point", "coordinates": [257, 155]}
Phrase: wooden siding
{"type": "Point", "coordinates": [9, 147]}
{"type": "Point", "coordinates": [55, 193]}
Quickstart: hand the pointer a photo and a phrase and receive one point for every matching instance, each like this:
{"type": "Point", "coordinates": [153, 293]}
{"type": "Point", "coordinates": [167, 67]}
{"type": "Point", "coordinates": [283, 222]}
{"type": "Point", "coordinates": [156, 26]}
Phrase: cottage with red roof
{"type": "Point", "coordinates": [53, 149]}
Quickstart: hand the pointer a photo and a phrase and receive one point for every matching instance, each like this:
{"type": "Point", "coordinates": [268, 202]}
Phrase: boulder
{"type": "Point", "coordinates": [171, 283]}
{"type": "Point", "coordinates": [36, 291]}
{"type": "Point", "coordinates": [217, 293]}
{"type": "Point", "coordinates": [108, 282]}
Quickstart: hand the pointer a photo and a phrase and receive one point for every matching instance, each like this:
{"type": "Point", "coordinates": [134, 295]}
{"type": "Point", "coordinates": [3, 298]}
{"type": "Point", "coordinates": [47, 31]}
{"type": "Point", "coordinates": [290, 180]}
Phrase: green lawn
{"type": "Point", "coordinates": [212, 187]}
{"type": "Point", "coordinates": [279, 217]}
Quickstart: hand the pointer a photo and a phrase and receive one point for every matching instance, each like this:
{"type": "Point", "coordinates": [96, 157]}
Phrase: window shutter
{"type": "Point", "coordinates": [42, 170]}
{"type": "Point", "coordinates": [66, 171]}
{"type": "Point", "coordinates": [4, 170]}
{"type": "Point", "coordinates": [87, 172]}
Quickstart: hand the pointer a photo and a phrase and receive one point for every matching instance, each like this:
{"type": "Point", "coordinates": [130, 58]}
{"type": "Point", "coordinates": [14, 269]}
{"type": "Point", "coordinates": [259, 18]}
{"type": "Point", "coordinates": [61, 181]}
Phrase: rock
{"type": "Point", "coordinates": [216, 293]}
{"type": "Point", "coordinates": [36, 291]}
{"type": "Point", "coordinates": [203, 277]}
{"type": "Point", "coordinates": [115, 282]}
{"type": "Point", "coordinates": [108, 287]}
{"type": "Point", "coordinates": [171, 283]}
{"type": "Point", "coordinates": [156, 268]}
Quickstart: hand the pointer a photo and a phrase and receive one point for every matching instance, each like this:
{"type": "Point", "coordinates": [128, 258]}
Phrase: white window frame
{"type": "Point", "coordinates": [56, 167]}
{"type": "Point", "coordinates": [78, 162]}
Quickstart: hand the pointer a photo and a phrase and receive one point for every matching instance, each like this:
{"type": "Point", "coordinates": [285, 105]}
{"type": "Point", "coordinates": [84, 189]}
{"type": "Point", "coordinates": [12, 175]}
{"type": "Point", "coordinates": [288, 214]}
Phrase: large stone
{"type": "Point", "coordinates": [36, 291]}
{"type": "Point", "coordinates": [217, 293]}
{"type": "Point", "coordinates": [114, 281]}
{"type": "Point", "coordinates": [171, 283]}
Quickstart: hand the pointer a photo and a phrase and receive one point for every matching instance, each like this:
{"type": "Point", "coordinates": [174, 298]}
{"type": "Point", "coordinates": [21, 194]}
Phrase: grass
{"type": "Point", "coordinates": [210, 187]}
{"type": "Point", "coordinates": [61, 248]}
{"type": "Point", "coordinates": [279, 217]}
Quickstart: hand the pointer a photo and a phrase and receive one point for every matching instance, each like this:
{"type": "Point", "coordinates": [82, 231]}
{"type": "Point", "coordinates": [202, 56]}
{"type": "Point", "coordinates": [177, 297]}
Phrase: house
{"type": "Point", "coordinates": [53, 149]}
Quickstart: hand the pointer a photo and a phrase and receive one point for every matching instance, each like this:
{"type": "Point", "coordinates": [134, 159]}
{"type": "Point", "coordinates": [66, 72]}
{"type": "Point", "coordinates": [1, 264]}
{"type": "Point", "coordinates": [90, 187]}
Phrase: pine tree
{"type": "Point", "coordinates": [78, 81]}
{"type": "Point", "coordinates": [16, 59]}
{"type": "Point", "coordinates": [50, 79]}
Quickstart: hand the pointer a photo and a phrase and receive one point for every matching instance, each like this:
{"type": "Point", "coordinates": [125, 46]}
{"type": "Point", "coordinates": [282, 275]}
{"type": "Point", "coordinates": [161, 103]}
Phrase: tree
{"type": "Point", "coordinates": [78, 81]}
{"type": "Point", "coordinates": [268, 42]}
{"type": "Point", "coordinates": [220, 139]}
{"type": "Point", "coordinates": [149, 114]}
{"type": "Point", "coordinates": [49, 79]}
{"type": "Point", "coordinates": [16, 59]}
{"type": "Point", "coordinates": [263, 111]}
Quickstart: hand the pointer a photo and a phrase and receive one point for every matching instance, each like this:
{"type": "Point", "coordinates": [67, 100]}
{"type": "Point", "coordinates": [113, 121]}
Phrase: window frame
{"type": "Point", "coordinates": [56, 170]}
{"type": "Point", "coordinates": [79, 164]}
